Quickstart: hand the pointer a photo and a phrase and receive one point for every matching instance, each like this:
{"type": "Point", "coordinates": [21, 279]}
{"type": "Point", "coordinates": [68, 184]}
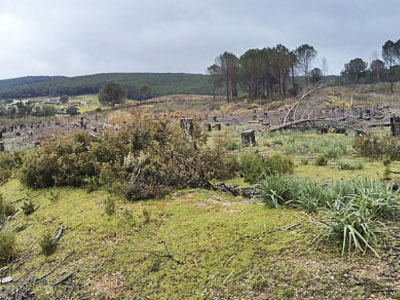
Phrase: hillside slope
{"type": "Point", "coordinates": [25, 82]}
{"type": "Point", "coordinates": [159, 84]}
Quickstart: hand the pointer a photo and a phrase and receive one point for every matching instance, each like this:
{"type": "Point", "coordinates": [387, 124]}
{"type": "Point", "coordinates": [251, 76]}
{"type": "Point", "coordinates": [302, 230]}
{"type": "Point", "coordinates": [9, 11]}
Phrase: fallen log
{"type": "Point", "coordinates": [64, 279]}
{"type": "Point", "coordinates": [249, 192]}
{"type": "Point", "coordinates": [290, 124]}
{"type": "Point", "coordinates": [386, 124]}
{"type": "Point", "coordinates": [59, 234]}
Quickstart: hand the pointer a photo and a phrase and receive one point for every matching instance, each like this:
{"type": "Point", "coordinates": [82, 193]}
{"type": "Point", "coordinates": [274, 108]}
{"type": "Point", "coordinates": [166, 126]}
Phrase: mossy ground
{"type": "Point", "coordinates": [221, 248]}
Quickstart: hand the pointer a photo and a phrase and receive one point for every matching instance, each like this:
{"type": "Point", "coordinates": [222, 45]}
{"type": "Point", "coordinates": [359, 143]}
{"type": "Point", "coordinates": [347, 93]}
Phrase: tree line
{"type": "Point", "coordinates": [264, 73]}
{"type": "Point", "coordinates": [386, 69]}
{"type": "Point", "coordinates": [278, 71]}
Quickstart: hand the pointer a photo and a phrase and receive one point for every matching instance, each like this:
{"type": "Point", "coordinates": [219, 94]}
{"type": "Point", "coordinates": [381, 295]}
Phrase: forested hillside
{"type": "Point", "coordinates": [159, 84]}
{"type": "Point", "coordinates": [25, 82]}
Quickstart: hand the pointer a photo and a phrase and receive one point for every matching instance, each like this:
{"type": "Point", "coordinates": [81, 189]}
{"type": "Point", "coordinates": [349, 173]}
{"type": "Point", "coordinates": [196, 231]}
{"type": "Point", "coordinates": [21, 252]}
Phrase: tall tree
{"type": "Point", "coordinates": [112, 94]}
{"type": "Point", "coordinates": [305, 55]}
{"type": "Point", "coordinates": [251, 71]}
{"type": "Point", "coordinates": [293, 66]}
{"type": "Point", "coordinates": [316, 75]}
{"type": "Point", "coordinates": [145, 92]}
{"type": "Point", "coordinates": [377, 67]}
{"type": "Point", "coordinates": [355, 69]}
{"type": "Point", "coordinates": [215, 77]}
{"type": "Point", "coordinates": [281, 64]}
{"type": "Point", "coordinates": [390, 54]}
{"type": "Point", "coordinates": [229, 66]}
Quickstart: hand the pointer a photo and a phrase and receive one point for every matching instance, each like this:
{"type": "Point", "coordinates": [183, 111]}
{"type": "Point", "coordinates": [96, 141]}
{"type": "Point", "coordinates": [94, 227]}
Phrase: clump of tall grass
{"type": "Point", "coordinates": [352, 226]}
{"type": "Point", "coordinates": [332, 147]}
{"type": "Point", "coordinates": [252, 166]}
{"type": "Point", "coordinates": [351, 209]}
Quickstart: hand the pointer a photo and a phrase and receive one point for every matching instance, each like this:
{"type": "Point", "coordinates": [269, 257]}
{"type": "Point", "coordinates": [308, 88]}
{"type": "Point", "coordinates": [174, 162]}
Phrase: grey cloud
{"type": "Point", "coordinates": [71, 37]}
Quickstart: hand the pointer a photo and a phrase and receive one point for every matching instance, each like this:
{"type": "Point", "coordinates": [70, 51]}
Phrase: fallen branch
{"type": "Point", "coordinates": [64, 279]}
{"type": "Point", "coordinates": [248, 192]}
{"type": "Point", "coordinates": [168, 255]}
{"type": "Point", "coordinates": [386, 124]}
{"type": "Point", "coordinates": [59, 234]}
{"type": "Point", "coordinates": [290, 124]}
{"type": "Point", "coordinates": [55, 267]}
{"type": "Point", "coordinates": [296, 105]}
{"type": "Point", "coordinates": [298, 122]}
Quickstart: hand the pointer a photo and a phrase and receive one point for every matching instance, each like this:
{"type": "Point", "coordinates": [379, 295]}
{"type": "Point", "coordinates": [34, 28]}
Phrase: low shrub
{"type": "Point", "coordinates": [232, 146]}
{"type": "Point", "coordinates": [386, 160]}
{"type": "Point", "coordinates": [47, 244]}
{"type": "Point", "coordinates": [147, 159]}
{"type": "Point", "coordinates": [342, 165]}
{"type": "Point", "coordinates": [7, 245]}
{"type": "Point", "coordinates": [377, 146]}
{"type": "Point", "coordinates": [28, 207]}
{"type": "Point", "coordinates": [6, 209]}
{"type": "Point", "coordinates": [9, 162]}
{"type": "Point", "coordinates": [321, 160]}
{"type": "Point", "coordinates": [304, 162]}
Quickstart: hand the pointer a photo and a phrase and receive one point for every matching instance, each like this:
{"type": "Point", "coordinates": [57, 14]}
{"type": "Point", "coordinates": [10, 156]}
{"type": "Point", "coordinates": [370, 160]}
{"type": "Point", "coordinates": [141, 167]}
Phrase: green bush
{"type": "Point", "coordinates": [163, 157]}
{"type": "Point", "coordinates": [9, 162]}
{"type": "Point", "coordinates": [321, 160]}
{"type": "Point", "coordinates": [28, 207]}
{"type": "Point", "coordinates": [7, 245]}
{"type": "Point", "coordinates": [232, 146]}
{"type": "Point", "coordinates": [6, 209]}
{"type": "Point", "coordinates": [47, 244]}
{"type": "Point", "coordinates": [254, 166]}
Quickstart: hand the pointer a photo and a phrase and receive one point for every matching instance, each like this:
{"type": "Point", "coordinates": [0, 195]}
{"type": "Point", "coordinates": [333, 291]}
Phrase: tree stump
{"type": "Point", "coordinates": [248, 137]}
{"type": "Point", "coordinates": [187, 126]}
{"type": "Point", "coordinates": [395, 125]}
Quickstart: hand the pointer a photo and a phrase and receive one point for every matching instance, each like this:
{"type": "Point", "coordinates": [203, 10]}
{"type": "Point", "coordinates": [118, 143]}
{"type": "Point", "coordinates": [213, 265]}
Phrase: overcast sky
{"type": "Point", "coordinates": [77, 37]}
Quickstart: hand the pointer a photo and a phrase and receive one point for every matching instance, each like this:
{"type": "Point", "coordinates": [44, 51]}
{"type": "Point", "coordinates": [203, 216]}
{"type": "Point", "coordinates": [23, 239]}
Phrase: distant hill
{"type": "Point", "coordinates": [24, 82]}
{"type": "Point", "coordinates": [160, 84]}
